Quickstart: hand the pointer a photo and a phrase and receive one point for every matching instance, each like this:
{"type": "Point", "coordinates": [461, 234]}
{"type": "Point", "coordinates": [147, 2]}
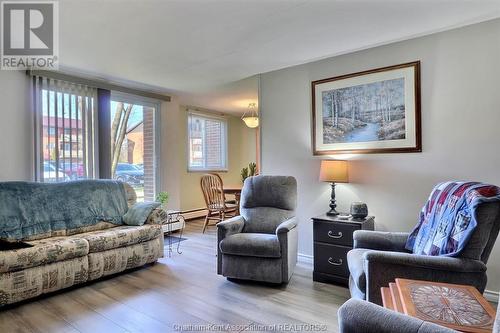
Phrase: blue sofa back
{"type": "Point", "coordinates": [28, 209]}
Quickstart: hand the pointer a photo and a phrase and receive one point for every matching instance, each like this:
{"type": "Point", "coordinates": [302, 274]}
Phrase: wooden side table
{"type": "Point", "coordinates": [459, 307]}
{"type": "Point", "coordinates": [332, 240]}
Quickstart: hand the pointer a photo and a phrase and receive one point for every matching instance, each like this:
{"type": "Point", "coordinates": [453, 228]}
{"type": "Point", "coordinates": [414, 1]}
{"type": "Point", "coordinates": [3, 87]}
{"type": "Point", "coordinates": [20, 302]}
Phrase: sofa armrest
{"type": "Point", "coordinates": [157, 216]}
{"type": "Point", "coordinates": [357, 316]}
{"type": "Point", "coordinates": [382, 267]}
{"type": "Point", "coordinates": [286, 226]}
{"type": "Point", "coordinates": [379, 240]}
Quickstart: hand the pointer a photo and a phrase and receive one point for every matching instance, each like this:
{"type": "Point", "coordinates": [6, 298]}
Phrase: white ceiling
{"type": "Point", "coordinates": [203, 50]}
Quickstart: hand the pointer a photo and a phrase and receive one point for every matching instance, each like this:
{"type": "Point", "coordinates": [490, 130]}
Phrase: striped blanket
{"type": "Point", "coordinates": [448, 219]}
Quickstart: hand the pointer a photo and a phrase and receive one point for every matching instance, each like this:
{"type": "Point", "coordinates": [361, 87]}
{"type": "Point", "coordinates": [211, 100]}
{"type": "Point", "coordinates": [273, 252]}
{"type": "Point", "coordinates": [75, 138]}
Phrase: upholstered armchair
{"type": "Point", "coordinates": [357, 316]}
{"type": "Point", "coordinates": [380, 257]}
{"type": "Point", "coordinates": [261, 243]}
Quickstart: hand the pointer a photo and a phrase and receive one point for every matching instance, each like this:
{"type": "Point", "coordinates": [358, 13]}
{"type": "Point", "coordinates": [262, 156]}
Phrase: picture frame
{"type": "Point", "coordinates": [373, 111]}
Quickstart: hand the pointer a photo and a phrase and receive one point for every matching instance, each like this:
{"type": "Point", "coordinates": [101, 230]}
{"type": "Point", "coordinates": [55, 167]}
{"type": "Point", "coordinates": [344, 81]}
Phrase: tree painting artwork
{"type": "Point", "coordinates": [367, 112]}
{"type": "Point", "coordinates": [375, 111]}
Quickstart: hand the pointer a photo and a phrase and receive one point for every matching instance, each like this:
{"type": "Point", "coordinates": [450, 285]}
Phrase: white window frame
{"type": "Point", "coordinates": [222, 119]}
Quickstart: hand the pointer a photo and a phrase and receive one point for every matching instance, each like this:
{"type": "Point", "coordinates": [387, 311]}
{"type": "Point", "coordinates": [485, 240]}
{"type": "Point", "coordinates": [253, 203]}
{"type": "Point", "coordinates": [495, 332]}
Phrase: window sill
{"type": "Point", "coordinates": [206, 170]}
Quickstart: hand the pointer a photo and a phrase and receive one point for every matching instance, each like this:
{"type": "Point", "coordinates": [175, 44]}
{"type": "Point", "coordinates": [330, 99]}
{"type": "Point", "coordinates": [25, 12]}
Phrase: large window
{"type": "Point", "coordinates": [133, 143]}
{"type": "Point", "coordinates": [65, 134]}
{"type": "Point", "coordinates": [207, 137]}
{"type": "Point", "coordinates": [73, 138]}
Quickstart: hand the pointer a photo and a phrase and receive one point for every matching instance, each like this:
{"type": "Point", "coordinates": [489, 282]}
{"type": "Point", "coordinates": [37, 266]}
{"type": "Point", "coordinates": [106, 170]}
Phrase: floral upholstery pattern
{"type": "Point", "coordinates": [43, 252]}
{"type": "Point", "coordinates": [120, 236]}
{"type": "Point", "coordinates": [32, 282]}
{"type": "Point", "coordinates": [117, 260]}
{"type": "Point", "coordinates": [70, 232]}
{"type": "Point", "coordinates": [63, 258]}
{"type": "Point", "coordinates": [157, 216]}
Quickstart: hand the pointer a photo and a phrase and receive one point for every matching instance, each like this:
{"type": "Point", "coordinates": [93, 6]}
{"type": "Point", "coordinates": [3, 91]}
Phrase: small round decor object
{"type": "Point", "coordinates": [359, 210]}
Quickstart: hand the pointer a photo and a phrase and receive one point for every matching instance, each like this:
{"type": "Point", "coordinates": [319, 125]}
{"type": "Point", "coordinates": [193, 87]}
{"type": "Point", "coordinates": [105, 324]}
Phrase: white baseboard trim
{"type": "Point", "coordinates": [491, 296]}
{"type": "Point", "coordinates": [305, 258]}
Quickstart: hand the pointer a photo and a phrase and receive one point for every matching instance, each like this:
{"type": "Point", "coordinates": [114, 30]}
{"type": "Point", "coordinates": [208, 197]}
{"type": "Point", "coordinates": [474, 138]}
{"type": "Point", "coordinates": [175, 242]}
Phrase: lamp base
{"type": "Point", "coordinates": [332, 212]}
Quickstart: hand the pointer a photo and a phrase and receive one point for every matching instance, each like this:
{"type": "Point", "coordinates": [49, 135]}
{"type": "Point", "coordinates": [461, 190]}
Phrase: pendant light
{"type": "Point", "coordinates": [251, 117]}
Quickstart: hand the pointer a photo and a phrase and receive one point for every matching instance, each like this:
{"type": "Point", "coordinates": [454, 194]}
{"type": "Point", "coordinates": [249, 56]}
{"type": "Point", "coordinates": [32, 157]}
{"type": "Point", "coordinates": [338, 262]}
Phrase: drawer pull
{"type": "Point", "coordinates": [338, 235]}
{"type": "Point", "coordinates": [336, 263]}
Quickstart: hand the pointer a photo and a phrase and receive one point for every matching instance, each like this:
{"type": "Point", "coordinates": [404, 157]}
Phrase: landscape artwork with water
{"type": "Point", "coordinates": [367, 112]}
{"type": "Point", "coordinates": [371, 111]}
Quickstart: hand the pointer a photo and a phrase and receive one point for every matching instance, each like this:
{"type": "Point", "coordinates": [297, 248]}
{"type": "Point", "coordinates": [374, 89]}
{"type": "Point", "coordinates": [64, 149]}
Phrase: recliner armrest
{"type": "Point", "coordinates": [286, 225]}
{"type": "Point", "coordinates": [428, 262]}
{"type": "Point", "coordinates": [383, 267]}
{"type": "Point", "coordinates": [229, 227]}
{"type": "Point", "coordinates": [379, 240]}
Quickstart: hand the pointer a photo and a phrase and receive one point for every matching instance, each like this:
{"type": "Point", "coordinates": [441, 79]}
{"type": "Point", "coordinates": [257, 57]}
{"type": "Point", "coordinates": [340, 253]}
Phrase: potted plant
{"type": "Point", "coordinates": [162, 198]}
{"type": "Point", "coordinates": [249, 171]}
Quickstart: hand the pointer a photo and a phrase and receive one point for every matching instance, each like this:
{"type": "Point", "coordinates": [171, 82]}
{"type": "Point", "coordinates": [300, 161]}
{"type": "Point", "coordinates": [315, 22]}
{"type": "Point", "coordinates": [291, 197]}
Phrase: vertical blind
{"type": "Point", "coordinates": [65, 119]}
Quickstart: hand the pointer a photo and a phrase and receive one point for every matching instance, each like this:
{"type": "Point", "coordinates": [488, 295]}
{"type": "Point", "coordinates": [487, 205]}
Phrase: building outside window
{"type": "Point", "coordinates": [207, 140]}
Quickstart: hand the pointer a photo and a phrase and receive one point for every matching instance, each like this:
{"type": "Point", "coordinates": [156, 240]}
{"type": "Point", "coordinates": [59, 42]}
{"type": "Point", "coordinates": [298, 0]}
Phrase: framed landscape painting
{"type": "Point", "coordinates": [375, 111]}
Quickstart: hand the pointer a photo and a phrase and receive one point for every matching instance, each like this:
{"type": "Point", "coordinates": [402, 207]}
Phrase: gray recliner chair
{"type": "Point", "coordinates": [261, 243]}
{"type": "Point", "coordinates": [380, 257]}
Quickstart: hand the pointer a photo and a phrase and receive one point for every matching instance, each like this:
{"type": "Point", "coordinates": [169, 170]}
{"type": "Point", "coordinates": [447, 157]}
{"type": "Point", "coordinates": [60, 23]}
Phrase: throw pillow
{"type": "Point", "coordinates": [138, 213]}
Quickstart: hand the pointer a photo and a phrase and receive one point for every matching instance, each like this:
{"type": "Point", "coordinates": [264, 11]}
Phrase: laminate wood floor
{"type": "Point", "coordinates": [182, 293]}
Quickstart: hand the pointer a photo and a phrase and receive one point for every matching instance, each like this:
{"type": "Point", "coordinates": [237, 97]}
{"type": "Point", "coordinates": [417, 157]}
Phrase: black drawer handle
{"type": "Point", "coordinates": [338, 262]}
{"type": "Point", "coordinates": [338, 235]}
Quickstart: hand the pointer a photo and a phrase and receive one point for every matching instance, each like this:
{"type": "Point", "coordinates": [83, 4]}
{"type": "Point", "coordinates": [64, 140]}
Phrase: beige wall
{"type": "Point", "coordinates": [460, 116]}
{"type": "Point", "coordinates": [241, 151]}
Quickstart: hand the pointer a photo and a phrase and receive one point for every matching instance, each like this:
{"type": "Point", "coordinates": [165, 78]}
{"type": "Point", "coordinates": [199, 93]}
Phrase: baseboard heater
{"type": "Point", "coordinates": [192, 214]}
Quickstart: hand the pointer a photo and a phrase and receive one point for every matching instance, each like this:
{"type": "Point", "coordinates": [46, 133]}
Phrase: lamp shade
{"type": "Point", "coordinates": [334, 171]}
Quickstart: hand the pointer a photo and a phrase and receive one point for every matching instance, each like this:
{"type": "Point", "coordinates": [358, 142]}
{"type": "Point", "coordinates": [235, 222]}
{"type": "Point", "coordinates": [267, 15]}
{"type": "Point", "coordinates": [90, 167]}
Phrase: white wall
{"type": "Point", "coordinates": [460, 121]}
{"type": "Point", "coordinates": [16, 134]}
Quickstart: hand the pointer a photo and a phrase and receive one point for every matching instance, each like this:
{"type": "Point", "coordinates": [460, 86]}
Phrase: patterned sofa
{"type": "Point", "coordinates": [65, 258]}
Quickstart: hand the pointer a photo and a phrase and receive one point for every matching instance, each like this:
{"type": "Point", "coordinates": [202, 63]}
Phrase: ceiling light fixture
{"type": "Point", "coordinates": [251, 117]}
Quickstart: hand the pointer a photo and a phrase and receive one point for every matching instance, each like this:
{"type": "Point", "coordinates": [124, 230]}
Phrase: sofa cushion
{"type": "Point", "coordinates": [355, 263]}
{"type": "Point", "coordinates": [42, 252]}
{"type": "Point", "coordinates": [113, 238]}
{"type": "Point", "coordinates": [34, 281]}
{"type": "Point", "coordinates": [117, 260]}
{"type": "Point", "coordinates": [251, 244]}
{"type": "Point", "coordinates": [101, 225]}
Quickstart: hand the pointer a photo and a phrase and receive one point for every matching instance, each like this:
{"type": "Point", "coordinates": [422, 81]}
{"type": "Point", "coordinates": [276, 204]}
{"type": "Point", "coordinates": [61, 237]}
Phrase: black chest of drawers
{"type": "Point", "coordinates": [332, 241]}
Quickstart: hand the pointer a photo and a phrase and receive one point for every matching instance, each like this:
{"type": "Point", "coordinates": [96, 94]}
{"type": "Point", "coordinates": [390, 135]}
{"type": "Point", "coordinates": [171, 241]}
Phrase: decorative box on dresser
{"type": "Point", "coordinates": [332, 240]}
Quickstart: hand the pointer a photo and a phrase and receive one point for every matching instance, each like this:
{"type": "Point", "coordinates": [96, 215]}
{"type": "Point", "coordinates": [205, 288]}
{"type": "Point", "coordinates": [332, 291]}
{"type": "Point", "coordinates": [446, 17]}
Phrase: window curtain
{"type": "Point", "coordinates": [65, 130]}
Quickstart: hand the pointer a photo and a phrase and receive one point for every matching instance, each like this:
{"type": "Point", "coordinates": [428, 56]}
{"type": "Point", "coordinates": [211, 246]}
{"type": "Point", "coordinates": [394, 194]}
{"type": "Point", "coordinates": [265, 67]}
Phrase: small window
{"type": "Point", "coordinates": [207, 140]}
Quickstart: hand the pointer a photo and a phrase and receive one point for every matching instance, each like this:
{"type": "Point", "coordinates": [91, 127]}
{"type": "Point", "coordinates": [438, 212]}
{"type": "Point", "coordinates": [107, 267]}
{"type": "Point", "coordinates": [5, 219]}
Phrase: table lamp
{"type": "Point", "coordinates": [333, 171]}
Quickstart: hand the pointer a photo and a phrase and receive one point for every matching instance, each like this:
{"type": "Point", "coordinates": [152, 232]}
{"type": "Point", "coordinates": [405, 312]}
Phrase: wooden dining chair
{"type": "Point", "coordinates": [217, 206]}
